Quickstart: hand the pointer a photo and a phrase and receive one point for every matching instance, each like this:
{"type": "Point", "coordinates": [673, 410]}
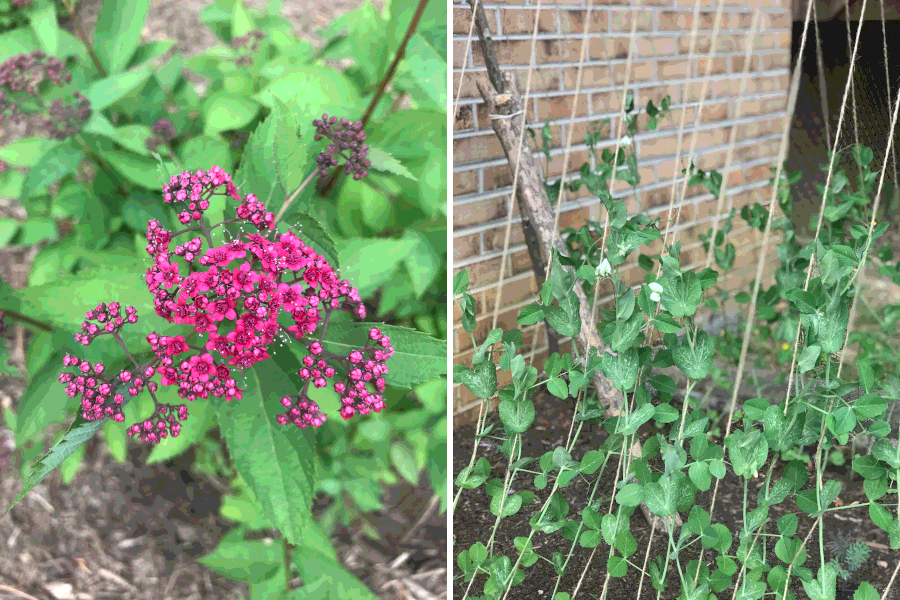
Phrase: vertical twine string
{"type": "Point", "coordinates": [462, 73]}
{"type": "Point", "coordinates": [823, 95]}
{"type": "Point", "coordinates": [570, 131]}
{"type": "Point", "coordinates": [887, 78]}
{"type": "Point", "coordinates": [698, 113]}
{"type": "Point", "coordinates": [672, 222]}
{"type": "Point", "coordinates": [481, 405]}
{"type": "Point", "coordinates": [515, 185]}
{"type": "Point", "coordinates": [859, 272]}
{"type": "Point", "coordinates": [732, 135]}
{"type": "Point", "coordinates": [782, 152]}
{"type": "Point", "coordinates": [837, 137]}
{"type": "Point", "coordinates": [634, 20]}
{"type": "Point", "coordinates": [462, 78]}
{"type": "Point", "coordinates": [853, 86]}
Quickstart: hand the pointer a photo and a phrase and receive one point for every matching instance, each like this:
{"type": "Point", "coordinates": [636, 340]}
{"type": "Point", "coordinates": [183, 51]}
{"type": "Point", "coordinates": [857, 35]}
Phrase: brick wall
{"type": "Point", "coordinates": [482, 180]}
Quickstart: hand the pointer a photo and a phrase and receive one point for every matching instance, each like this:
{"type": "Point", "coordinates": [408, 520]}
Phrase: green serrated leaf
{"type": "Point", "coordinates": [311, 232]}
{"type": "Point", "coordinates": [383, 161]}
{"type": "Point", "coordinates": [275, 460]}
{"type": "Point", "coordinates": [118, 32]}
{"type": "Point", "coordinates": [417, 358]}
{"type": "Point", "coordinates": [77, 435]}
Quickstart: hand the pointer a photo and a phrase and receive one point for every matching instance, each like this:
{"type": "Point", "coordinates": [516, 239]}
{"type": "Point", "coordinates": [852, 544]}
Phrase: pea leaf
{"type": "Point", "coordinates": [621, 369]}
{"type": "Point", "coordinates": [681, 296]}
{"type": "Point", "coordinates": [516, 416]}
{"type": "Point", "coordinates": [808, 357]}
{"type": "Point", "coordinates": [695, 362]}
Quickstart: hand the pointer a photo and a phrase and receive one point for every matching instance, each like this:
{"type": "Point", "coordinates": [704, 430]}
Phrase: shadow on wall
{"type": "Point", "coordinates": [809, 144]}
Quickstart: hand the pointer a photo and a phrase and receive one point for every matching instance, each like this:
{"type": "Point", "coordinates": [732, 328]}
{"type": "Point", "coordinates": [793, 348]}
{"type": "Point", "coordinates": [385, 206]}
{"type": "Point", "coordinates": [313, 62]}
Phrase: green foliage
{"type": "Point", "coordinates": [89, 198]}
{"type": "Point", "coordinates": [686, 447]}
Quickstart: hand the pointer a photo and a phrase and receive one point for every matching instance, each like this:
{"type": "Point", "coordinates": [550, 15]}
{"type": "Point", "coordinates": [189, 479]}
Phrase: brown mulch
{"type": "Point", "coordinates": [132, 531]}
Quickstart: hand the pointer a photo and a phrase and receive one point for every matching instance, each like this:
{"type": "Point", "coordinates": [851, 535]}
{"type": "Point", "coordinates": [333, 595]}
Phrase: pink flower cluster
{"type": "Point", "coordinates": [365, 366]}
{"type": "Point", "coordinates": [98, 397]}
{"type": "Point", "coordinates": [232, 296]}
{"type": "Point", "coordinates": [109, 316]}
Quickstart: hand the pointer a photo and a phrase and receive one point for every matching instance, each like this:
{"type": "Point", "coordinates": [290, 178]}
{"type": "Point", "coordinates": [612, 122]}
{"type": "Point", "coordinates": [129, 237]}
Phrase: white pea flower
{"type": "Point", "coordinates": [604, 269]}
{"type": "Point", "coordinates": [625, 141]}
{"type": "Point", "coordinates": [655, 292]}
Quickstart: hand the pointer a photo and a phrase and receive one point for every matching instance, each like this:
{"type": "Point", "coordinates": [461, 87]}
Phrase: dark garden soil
{"type": "Point", "coordinates": [473, 521]}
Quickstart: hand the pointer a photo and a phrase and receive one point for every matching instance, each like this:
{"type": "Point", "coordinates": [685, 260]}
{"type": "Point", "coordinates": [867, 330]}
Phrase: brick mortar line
{"type": "Point", "coordinates": [641, 85]}
{"type": "Point", "coordinates": [656, 161]}
{"type": "Point", "coordinates": [650, 83]}
{"type": "Point", "coordinates": [521, 304]}
{"type": "Point", "coordinates": [474, 68]}
{"type": "Point", "coordinates": [618, 61]}
{"type": "Point", "coordinates": [694, 200]}
{"type": "Point", "coordinates": [655, 82]}
{"type": "Point", "coordinates": [731, 10]}
{"type": "Point", "coordinates": [467, 134]}
{"type": "Point", "coordinates": [549, 35]}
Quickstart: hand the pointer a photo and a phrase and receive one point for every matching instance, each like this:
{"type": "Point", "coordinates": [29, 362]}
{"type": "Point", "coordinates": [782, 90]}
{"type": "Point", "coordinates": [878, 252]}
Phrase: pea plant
{"type": "Point", "coordinates": [233, 257]}
{"type": "Point", "coordinates": [683, 454]}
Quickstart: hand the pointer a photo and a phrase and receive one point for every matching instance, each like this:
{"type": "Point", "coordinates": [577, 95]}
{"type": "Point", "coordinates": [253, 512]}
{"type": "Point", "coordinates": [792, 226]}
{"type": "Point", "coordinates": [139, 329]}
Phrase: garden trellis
{"type": "Point", "coordinates": [508, 111]}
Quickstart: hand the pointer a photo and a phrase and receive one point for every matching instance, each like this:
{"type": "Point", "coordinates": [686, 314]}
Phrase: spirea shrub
{"type": "Point", "coordinates": [229, 297]}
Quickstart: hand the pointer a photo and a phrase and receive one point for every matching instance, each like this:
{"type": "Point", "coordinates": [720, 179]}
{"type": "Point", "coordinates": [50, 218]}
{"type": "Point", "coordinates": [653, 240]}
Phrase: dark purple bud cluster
{"type": "Point", "coordinates": [239, 139]}
{"type": "Point", "coordinates": [21, 3]}
{"type": "Point", "coordinates": [347, 142]}
{"type": "Point", "coordinates": [163, 133]}
{"type": "Point", "coordinates": [2, 324]}
{"type": "Point", "coordinates": [247, 45]}
{"type": "Point", "coordinates": [65, 118]}
{"type": "Point", "coordinates": [23, 74]}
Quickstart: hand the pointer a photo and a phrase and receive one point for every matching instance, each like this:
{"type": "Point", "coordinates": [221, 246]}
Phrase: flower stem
{"type": "Point", "coordinates": [20, 317]}
{"type": "Point", "coordinates": [82, 35]}
{"type": "Point", "coordinates": [382, 85]}
{"type": "Point", "coordinates": [292, 197]}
